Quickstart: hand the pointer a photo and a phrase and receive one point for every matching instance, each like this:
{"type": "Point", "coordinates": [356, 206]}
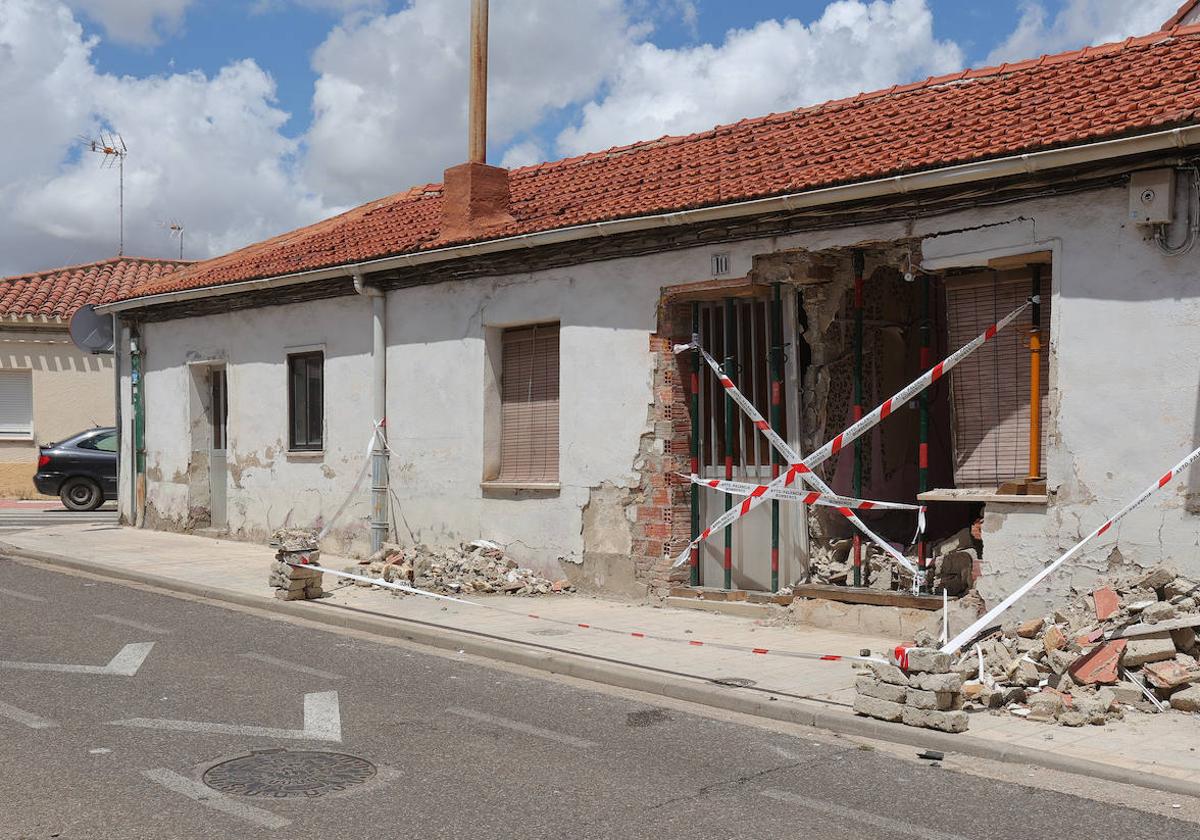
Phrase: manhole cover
{"type": "Point", "coordinates": [735, 682]}
{"type": "Point", "coordinates": [284, 773]}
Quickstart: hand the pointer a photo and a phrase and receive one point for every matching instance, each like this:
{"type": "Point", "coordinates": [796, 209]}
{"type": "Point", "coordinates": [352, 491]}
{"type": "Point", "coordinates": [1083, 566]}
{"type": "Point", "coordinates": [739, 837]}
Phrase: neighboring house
{"type": "Point", "coordinates": [49, 389]}
{"type": "Point", "coordinates": [527, 319]}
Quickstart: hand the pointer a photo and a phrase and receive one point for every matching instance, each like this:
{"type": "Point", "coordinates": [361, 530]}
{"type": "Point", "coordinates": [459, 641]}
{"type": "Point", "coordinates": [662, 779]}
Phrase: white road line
{"type": "Point", "coordinates": [22, 595]}
{"type": "Point", "coordinates": [210, 798]}
{"type": "Point", "coordinates": [548, 734]}
{"type": "Point", "coordinates": [23, 717]}
{"type": "Point", "coordinates": [322, 722]}
{"type": "Point", "coordinates": [125, 664]}
{"type": "Point", "coordinates": [136, 625]}
{"type": "Point", "coordinates": [291, 666]}
{"type": "Point", "coordinates": [889, 824]}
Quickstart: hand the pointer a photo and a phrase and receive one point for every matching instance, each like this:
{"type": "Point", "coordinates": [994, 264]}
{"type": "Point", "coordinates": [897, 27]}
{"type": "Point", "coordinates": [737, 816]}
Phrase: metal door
{"type": "Point", "coordinates": [218, 414]}
{"type": "Point", "coordinates": [749, 346]}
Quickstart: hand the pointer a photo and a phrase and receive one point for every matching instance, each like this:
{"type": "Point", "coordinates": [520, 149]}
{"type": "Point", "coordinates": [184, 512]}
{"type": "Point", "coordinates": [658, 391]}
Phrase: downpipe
{"type": "Point", "coordinates": [380, 521]}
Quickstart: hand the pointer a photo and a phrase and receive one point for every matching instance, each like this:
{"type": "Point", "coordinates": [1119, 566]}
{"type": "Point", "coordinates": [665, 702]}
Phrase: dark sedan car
{"type": "Point", "coordinates": [82, 470]}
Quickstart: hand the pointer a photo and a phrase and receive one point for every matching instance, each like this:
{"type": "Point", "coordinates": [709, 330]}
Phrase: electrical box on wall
{"type": "Point", "coordinates": [1152, 197]}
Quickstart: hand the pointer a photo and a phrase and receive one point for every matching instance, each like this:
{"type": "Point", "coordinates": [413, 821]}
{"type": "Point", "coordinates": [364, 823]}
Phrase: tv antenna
{"type": "Point", "coordinates": [176, 229]}
{"type": "Point", "coordinates": [111, 148]}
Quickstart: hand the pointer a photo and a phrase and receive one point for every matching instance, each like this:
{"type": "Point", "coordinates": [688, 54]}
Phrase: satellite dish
{"type": "Point", "coordinates": [91, 331]}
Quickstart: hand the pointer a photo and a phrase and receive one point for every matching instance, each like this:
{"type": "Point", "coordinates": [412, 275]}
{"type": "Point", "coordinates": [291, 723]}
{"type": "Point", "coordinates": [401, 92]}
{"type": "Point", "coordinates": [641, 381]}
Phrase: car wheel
{"type": "Point", "coordinates": [81, 494]}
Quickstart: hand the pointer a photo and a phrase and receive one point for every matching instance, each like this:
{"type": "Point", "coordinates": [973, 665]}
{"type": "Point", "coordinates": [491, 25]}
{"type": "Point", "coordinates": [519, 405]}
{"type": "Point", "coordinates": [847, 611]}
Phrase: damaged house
{"type": "Point", "coordinates": [512, 333]}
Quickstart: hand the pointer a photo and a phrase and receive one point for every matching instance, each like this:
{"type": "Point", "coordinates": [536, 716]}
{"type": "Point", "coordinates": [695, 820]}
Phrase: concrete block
{"type": "Point", "coordinates": [1187, 700]}
{"type": "Point", "coordinates": [884, 691]}
{"type": "Point", "coordinates": [937, 682]}
{"type": "Point", "coordinates": [941, 700]}
{"type": "Point", "coordinates": [876, 708]}
{"type": "Point", "coordinates": [955, 721]}
{"type": "Point", "coordinates": [1153, 648]}
{"type": "Point", "coordinates": [922, 660]}
{"type": "Point", "coordinates": [286, 595]}
{"type": "Point", "coordinates": [889, 674]}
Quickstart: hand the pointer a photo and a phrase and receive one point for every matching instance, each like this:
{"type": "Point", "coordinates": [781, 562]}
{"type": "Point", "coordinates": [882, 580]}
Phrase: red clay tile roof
{"type": "Point", "coordinates": [58, 292]}
{"type": "Point", "coordinates": [1184, 10]}
{"type": "Point", "coordinates": [1136, 86]}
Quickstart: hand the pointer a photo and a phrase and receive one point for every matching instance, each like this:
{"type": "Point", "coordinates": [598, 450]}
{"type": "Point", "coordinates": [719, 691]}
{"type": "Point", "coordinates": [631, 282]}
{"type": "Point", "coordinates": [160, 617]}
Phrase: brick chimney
{"type": "Point", "coordinates": [475, 197]}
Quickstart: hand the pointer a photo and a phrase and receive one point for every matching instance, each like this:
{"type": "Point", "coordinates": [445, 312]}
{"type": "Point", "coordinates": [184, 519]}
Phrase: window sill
{"type": "Point", "coordinates": [542, 486]}
{"type": "Point", "coordinates": [305, 455]}
{"type": "Point", "coordinates": [980, 495]}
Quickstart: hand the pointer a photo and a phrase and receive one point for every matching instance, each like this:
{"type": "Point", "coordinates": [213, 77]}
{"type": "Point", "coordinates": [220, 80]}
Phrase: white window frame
{"type": "Point", "coordinates": [13, 432]}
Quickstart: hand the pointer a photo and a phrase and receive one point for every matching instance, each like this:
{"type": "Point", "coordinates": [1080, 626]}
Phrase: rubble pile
{"type": "Point", "coordinates": [292, 583]}
{"type": "Point", "coordinates": [475, 567]}
{"type": "Point", "coordinates": [1130, 643]}
{"type": "Point", "coordinates": [925, 693]}
{"type": "Point", "coordinates": [953, 558]}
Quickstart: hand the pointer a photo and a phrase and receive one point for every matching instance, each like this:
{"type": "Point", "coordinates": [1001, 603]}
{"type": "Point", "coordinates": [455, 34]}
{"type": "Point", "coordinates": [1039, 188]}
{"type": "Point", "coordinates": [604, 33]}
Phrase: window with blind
{"type": "Point", "coordinates": [990, 388]}
{"type": "Point", "coordinates": [16, 402]}
{"type": "Point", "coordinates": [529, 405]}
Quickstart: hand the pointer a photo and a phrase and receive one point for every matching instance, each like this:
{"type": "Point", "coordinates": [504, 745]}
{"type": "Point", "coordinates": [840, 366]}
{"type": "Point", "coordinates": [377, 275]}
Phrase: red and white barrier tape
{"type": "Point", "coordinates": [742, 488]}
{"type": "Point", "coordinates": [794, 654]}
{"type": "Point", "coordinates": [803, 468]}
{"type": "Point", "coordinates": [987, 620]}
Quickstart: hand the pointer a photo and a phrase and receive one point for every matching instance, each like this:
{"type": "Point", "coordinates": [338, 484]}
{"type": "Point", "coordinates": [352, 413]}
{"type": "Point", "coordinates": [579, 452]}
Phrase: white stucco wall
{"type": "Point", "coordinates": [1124, 371]}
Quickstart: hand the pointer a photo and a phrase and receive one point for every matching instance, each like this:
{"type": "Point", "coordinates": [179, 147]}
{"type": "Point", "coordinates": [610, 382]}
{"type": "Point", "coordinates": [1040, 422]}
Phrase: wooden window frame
{"type": "Point", "coordinates": [308, 443]}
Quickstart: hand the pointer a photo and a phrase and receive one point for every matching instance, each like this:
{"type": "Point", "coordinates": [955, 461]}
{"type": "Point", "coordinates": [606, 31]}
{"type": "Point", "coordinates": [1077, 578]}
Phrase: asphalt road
{"type": "Point", "coordinates": [458, 749]}
{"type": "Point", "coordinates": [27, 516]}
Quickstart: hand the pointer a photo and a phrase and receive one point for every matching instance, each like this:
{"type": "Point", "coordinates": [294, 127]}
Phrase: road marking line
{"type": "Point", "coordinates": [136, 625]}
{"type": "Point", "coordinates": [484, 717]}
{"type": "Point", "coordinates": [125, 664]}
{"type": "Point", "coordinates": [322, 722]}
{"type": "Point", "coordinates": [210, 798]}
{"type": "Point", "coordinates": [292, 666]}
{"type": "Point", "coordinates": [889, 824]}
{"type": "Point", "coordinates": [23, 596]}
{"type": "Point", "coordinates": [27, 718]}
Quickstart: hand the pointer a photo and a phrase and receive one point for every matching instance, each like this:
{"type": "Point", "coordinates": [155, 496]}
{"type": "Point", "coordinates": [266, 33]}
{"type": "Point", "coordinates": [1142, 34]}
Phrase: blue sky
{"type": "Point", "coordinates": [248, 118]}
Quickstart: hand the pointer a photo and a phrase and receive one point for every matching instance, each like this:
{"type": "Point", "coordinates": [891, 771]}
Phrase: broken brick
{"type": "Point", "coordinates": [1030, 628]}
{"type": "Point", "coordinates": [1170, 674]}
{"type": "Point", "coordinates": [1054, 639]}
{"type": "Point", "coordinates": [1107, 602]}
{"type": "Point", "coordinates": [1099, 666]}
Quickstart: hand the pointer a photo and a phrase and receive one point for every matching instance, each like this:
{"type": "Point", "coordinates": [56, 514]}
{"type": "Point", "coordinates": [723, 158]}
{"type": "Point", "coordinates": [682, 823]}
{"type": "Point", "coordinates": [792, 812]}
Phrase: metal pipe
{"type": "Point", "coordinates": [730, 367]}
{"type": "Point", "coordinates": [380, 521]}
{"type": "Point", "coordinates": [775, 331]}
{"type": "Point", "coordinates": [1035, 378]}
{"type": "Point", "coordinates": [859, 267]}
{"type": "Point", "coordinates": [923, 433]}
{"type": "Point", "coordinates": [116, 350]}
{"type": "Point", "coordinates": [695, 412]}
{"type": "Point", "coordinates": [477, 144]}
{"type": "Point", "coordinates": [137, 391]}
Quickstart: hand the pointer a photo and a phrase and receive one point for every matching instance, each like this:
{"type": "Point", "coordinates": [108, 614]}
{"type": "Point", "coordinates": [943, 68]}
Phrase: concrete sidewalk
{"type": "Point", "coordinates": [1156, 751]}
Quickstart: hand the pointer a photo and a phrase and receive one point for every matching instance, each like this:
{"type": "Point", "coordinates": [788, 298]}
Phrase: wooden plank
{"type": "Point", "coordinates": [874, 597]}
{"type": "Point", "coordinates": [1020, 260]}
{"type": "Point", "coordinates": [1147, 629]}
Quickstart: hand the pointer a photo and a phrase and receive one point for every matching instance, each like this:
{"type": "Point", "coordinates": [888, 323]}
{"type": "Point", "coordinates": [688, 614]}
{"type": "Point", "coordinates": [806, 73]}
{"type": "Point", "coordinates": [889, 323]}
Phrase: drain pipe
{"type": "Point", "coordinates": [379, 455]}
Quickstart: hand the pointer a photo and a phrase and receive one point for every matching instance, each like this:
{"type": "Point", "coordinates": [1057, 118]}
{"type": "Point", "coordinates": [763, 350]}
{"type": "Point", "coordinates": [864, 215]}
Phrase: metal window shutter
{"type": "Point", "coordinates": [529, 405]}
{"type": "Point", "coordinates": [16, 402]}
{"type": "Point", "coordinates": [991, 387]}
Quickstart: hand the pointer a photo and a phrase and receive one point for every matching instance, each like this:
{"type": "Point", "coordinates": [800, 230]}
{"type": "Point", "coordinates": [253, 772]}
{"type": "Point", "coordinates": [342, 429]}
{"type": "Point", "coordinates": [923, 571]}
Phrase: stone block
{"type": "Point", "coordinates": [937, 682]}
{"type": "Point", "coordinates": [1155, 647]}
{"type": "Point", "coordinates": [955, 721]}
{"type": "Point", "coordinates": [881, 690]}
{"type": "Point", "coordinates": [1187, 700]}
{"type": "Point", "coordinates": [286, 595]}
{"type": "Point", "coordinates": [889, 674]}
{"type": "Point", "coordinates": [1053, 639]}
{"type": "Point", "coordinates": [1045, 705]}
{"type": "Point", "coordinates": [879, 709]}
{"type": "Point", "coordinates": [1161, 611]}
{"type": "Point", "coordinates": [1184, 638]}
{"type": "Point", "coordinates": [1100, 666]}
{"type": "Point", "coordinates": [928, 660]}
{"type": "Point", "coordinates": [1157, 578]}
{"type": "Point", "coordinates": [942, 700]}
{"type": "Point", "coordinates": [1030, 628]}
{"type": "Point", "coordinates": [1181, 588]}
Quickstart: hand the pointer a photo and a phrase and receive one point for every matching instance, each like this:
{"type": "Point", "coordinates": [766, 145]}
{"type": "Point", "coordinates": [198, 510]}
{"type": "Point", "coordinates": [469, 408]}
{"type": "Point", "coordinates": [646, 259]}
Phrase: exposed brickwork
{"type": "Point", "coordinates": [662, 522]}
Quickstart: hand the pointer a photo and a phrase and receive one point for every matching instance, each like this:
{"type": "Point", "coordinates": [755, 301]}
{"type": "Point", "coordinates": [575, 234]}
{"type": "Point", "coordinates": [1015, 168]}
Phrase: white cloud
{"type": "Point", "coordinates": [136, 21]}
{"type": "Point", "coordinates": [773, 66]}
{"type": "Point", "coordinates": [1079, 23]}
{"type": "Point", "coordinates": [390, 103]}
{"type": "Point", "coordinates": [206, 151]}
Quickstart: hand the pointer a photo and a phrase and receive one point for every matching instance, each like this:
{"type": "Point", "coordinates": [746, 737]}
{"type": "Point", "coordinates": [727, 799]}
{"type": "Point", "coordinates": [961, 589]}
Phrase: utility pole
{"type": "Point", "coordinates": [477, 117]}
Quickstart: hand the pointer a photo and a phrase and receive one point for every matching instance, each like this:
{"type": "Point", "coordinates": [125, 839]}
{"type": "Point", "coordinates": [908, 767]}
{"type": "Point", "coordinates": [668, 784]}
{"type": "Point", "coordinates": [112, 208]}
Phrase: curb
{"type": "Point", "coordinates": [627, 675]}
